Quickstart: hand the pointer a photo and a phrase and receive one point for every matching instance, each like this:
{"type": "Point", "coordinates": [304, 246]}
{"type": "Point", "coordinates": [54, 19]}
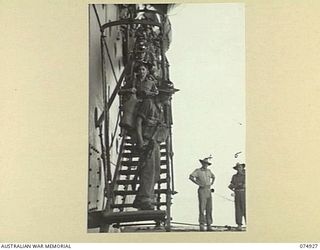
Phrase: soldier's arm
{"type": "Point", "coordinates": [232, 184]}
{"type": "Point", "coordinates": [193, 179]}
{"type": "Point", "coordinates": [231, 187]}
{"type": "Point", "coordinates": [212, 178]}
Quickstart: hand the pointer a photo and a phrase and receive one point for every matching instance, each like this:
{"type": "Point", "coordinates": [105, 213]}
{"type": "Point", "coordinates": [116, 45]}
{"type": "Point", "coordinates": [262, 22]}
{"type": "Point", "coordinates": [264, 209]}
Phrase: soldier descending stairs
{"type": "Point", "coordinates": [145, 90]}
{"type": "Point", "coordinates": [126, 186]}
{"type": "Point", "coordinates": [143, 167]}
{"type": "Point", "coordinates": [127, 180]}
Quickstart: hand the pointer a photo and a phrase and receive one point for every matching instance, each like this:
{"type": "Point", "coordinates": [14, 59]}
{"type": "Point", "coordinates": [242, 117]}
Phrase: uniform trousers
{"type": "Point", "coordinates": [149, 175]}
{"type": "Point", "coordinates": [240, 205]}
{"type": "Point", "coordinates": [205, 206]}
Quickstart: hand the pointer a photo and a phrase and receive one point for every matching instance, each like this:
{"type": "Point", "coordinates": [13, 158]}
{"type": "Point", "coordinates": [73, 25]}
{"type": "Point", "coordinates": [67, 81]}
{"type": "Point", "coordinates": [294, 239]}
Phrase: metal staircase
{"type": "Point", "coordinates": [122, 185]}
{"type": "Point", "coordinates": [125, 183]}
{"type": "Point", "coordinates": [125, 186]}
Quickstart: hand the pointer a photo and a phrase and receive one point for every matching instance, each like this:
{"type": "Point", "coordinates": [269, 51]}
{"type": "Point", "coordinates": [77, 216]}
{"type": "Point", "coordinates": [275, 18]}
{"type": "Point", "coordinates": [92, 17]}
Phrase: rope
{"type": "Point", "coordinates": [223, 197]}
{"type": "Point", "coordinates": [190, 224]}
{"type": "Point", "coordinates": [182, 223]}
{"type": "Point", "coordinates": [98, 19]}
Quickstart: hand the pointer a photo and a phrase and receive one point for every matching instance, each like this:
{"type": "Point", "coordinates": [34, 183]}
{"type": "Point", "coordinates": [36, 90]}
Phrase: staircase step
{"type": "Point", "coordinates": [134, 148]}
{"type": "Point", "coordinates": [127, 182]}
{"type": "Point", "coordinates": [129, 147]}
{"type": "Point", "coordinates": [163, 146]}
{"type": "Point", "coordinates": [163, 162]}
{"type": "Point", "coordinates": [99, 218]}
{"type": "Point", "coordinates": [134, 171]}
{"type": "Point", "coordinates": [137, 154]}
{"type": "Point", "coordinates": [129, 141]}
{"type": "Point", "coordinates": [130, 205]}
{"type": "Point", "coordinates": [133, 192]}
{"type": "Point", "coordinates": [135, 163]}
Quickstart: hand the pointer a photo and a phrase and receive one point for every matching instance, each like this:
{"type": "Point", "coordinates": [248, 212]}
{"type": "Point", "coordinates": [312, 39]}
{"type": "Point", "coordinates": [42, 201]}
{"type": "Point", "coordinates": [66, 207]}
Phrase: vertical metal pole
{"type": "Point", "coordinates": [106, 150]}
{"type": "Point", "coordinates": [100, 129]}
{"type": "Point", "coordinates": [103, 161]}
{"type": "Point", "coordinates": [171, 150]}
{"type": "Point", "coordinates": [127, 42]}
{"type": "Point", "coordinates": [169, 193]}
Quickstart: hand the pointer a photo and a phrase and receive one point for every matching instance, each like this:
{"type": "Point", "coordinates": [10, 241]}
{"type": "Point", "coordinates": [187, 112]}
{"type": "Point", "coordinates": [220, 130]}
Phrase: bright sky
{"type": "Point", "coordinates": [207, 64]}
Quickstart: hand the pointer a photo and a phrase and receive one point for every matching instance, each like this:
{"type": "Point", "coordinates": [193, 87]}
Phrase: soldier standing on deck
{"type": "Point", "coordinates": [238, 185]}
{"type": "Point", "coordinates": [204, 178]}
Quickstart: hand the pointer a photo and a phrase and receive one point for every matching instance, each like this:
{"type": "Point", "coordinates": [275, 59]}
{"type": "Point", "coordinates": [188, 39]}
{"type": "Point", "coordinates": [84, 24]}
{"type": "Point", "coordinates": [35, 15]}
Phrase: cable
{"type": "Point", "coordinates": [182, 223]}
{"type": "Point", "coordinates": [221, 196]}
{"type": "Point", "coordinates": [191, 224]}
{"type": "Point", "coordinates": [98, 19]}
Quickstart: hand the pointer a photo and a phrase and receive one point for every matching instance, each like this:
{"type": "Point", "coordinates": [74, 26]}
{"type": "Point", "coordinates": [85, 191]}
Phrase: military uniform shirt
{"type": "Point", "coordinates": [146, 88]}
{"type": "Point", "coordinates": [152, 115]}
{"type": "Point", "coordinates": [203, 177]}
{"type": "Point", "coordinates": [238, 181]}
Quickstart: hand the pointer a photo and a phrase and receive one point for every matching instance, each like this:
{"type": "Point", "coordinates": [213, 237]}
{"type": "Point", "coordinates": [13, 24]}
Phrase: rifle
{"type": "Point", "coordinates": [145, 154]}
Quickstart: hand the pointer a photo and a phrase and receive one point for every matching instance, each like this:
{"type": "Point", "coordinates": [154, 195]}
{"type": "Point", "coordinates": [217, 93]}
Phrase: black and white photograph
{"type": "Point", "coordinates": [159, 122]}
{"type": "Point", "coordinates": [167, 122]}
